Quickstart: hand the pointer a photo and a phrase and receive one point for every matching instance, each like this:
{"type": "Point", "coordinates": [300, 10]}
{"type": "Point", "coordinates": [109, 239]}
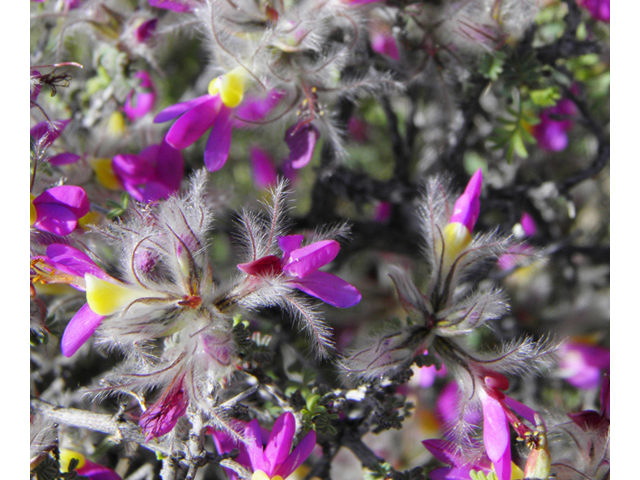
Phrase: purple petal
{"type": "Point", "coordinates": [56, 219]}
{"type": "Point", "coordinates": [253, 442]}
{"type": "Point", "coordinates": [79, 329]}
{"type": "Point", "coordinates": [63, 158]}
{"type": "Point", "coordinates": [264, 170]}
{"type": "Point", "coordinates": [163, 415]}
{"type": "Point", "coordinates": [467, 207]}
{"type": "Point", "coordinates": [301, 140]}
{"type": "Point", "coordinates": [254, 109]}
{"type": "Point", "coordinates": [306, 260]}
{"type": "Point", "coordinates": [528, 224]}
{"type": "Point", "coordinates": [139, 103]}
{"type": "Point", "coordinates": [443, 450]}
{"type": "Point", "coordinates": [145, 31]}
{"type": "Point", "coordinates": [73, 261]}
{"type": "Point", "coordinates": [169, 167]}
{"type": "Point", "coordinates": [455, 473]}
{"type": "Point", "coordinates": [496, 428]}
{"type": "Point", "coordinates": [138, 106]}
{"type": "Point", "coordinates": [192, 125]}
{"type": "Point", "coordinates": [288, 244]}
{"type": "Point", "coordinates": [521, 409]}
{"type": "Point", "coordinates": [48, 133]}
{"type": "Point", "coordinates": [298, 456]}
{"type": "Point", "coordinates": [385, 44]}
{"type": "Point", "coordinates": [502, 465]}
{"type": "Point", "coordinates": [280, 441]}
{"type": "Point", "coordinates": [134, 169]}
{"type": "Point", "coordinates": [217, 150]}
{"type": "Point", "coordinates": [72, 197]}
{"type": "Point", "coordinates": [329, 288]}
{"type": "Point", "coordinates": [551, 135]}
{"type": "Point", "coordinates": [154, 191]}
{"type": "Point", "coordinates": [178, 109]}
{"type": "Point", "coordinates": [97, 472]}
{"type": "Point", "coordinates": [180, 6]}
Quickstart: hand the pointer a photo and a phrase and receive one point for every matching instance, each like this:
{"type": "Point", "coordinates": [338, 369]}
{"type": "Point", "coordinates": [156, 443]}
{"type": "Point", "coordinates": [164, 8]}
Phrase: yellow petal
{"type": "Point", "coordinates": [516, 472]}
{"type": "Point", "coordinates": [231, 87]}
{"type": "Point", "coordinates": [66, 456]}
{"type": "Point", "coordinates": [105, 298]}
{"type": "Point", "coordinates": [33, 210]}
{"type": "Point", "coordinates": [116, 125]}
{"type": "Point", "coordinates": [104, 173]}
{"type": "Point", "coordinates": [91, 218]}
{"type": "Point", "coordinates": [259, 475]}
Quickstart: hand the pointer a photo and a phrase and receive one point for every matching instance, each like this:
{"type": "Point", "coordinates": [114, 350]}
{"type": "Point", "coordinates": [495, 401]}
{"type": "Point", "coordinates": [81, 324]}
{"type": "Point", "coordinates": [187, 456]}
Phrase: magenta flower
{"type": "Point", "coordinates": [467, 206]}
{"type": "Point", "coordinates": [145, 31]}
{"type": "Point", "coordinates": [276, 458]}
{"type": "Point", "coordinates": [153, 174]}
{"type": "Point", "coordinates": [517, 253]}
{"type": "Point", "coordinates": [582, 364]}
{"type": "Point", "coordinates": [498, 412]}
{"type": "Point", "coordinates": [599, 9]}
{"type": "Point", "coordinates": [66, 264]}
{"type": "Point", "coordinates": [460, 469]}
{"type": "Point", "coordinates": [265, 174]}
{"type": "Point", "coordinates": [384, 44]}
{"type": "Point", "coordinates": [180, 6]}
{"type": "Point", "coordinates": [301, 139]}
{"type": "Point", "coordinates": [139, 103]}
{"type": "Point", "coordinates": [86, 468]}
{"type": "Point", "coordinates": [447, 409]}
{"type": "Point", "coordinates": [45, 133]}
{"type": "Point", "coordinates": [163, 415]}
{"type": "Point", "coordinates": [58, 209]}
{"type": "Point", "coordinates": [212, 111]}
{"type": "Point", "coordinates": [555, 122]}
{"type": "Point", "coordinates": [300, 268]}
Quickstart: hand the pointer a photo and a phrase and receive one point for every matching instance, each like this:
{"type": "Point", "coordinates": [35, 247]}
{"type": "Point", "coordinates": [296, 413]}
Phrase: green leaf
{"type": "Point", "coordinates": [546, 97]}
{"type": "Point", "coordinates": [491, 65]}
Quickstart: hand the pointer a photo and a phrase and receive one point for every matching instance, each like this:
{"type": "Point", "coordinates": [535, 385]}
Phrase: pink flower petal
{"type": "Point", "coordinates": [63, 158]}
{"type": "Point", "coordinates": [79, 329]}
{"type": "Point", "coordinates": [502, 465]}
{"type": "Point", "coordinates": [253, 442]}
{"type": "Point", "coordinates": [264, 170]}
{"type": "Point", "coordinates": [467, 207]}
{"type": "Point", "coordinates": [301, 140]}
{"type": "Point", "coordinates": [385, 44]}
{"type": "Point", "coordinates": [217, 150]}
{"type": "Point", "coordinates": [72, 197]}
{"type": "Point", "coordinates": [146, 30]}
{"type": "Point", "coordinates": [95, 471]}
{"type": "Point", "coordinates": [169, 167]}
{"type": "Point", "coordinates": [298, 456]}
{"type": "Point", "coordinates": [180, 6]}
{"type": "Point", "coordinates": [73, 261]}
{"type": "Point", "coordinates": [280, 441]}
{"type": "Point", "coordinates": [178, 109]}
{"type": "Point", "coordinates": [192, 125]}
{"type": "Point", "coordinates": [255, 109]}
{"type": "Point", "coordinates": [495, 429]}
{"type": "Point", "coordinates": [54, 218]}
{"type": "Point", "coordinates": [288, 244]}
{"type": "Point", "coordinates": [329, 288]}
{"type": "Point", "coordinates": [163, 415]}
{"type": "Point", "coordinates": [47, 133]}
{"type": "Point", "coordinates": [306, 260]}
